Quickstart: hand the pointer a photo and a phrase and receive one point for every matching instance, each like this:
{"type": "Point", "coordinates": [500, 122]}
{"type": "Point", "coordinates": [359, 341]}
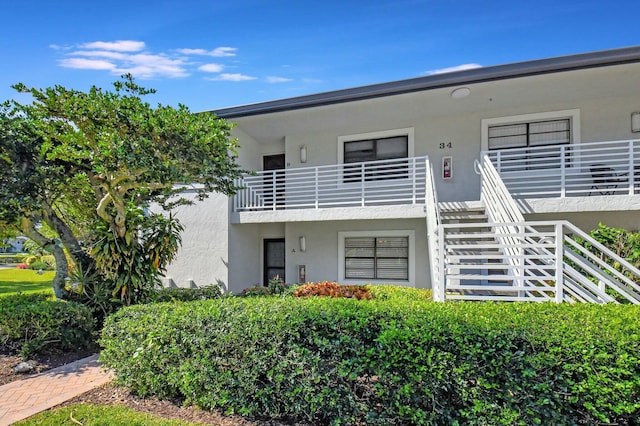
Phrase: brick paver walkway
{"type": "Point", "coordinates": [24, 398]}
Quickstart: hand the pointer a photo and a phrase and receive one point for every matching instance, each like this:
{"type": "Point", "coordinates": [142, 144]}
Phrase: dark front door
{"type": "Point", "coordinates": [273, 259]}
{"type": "Point", "coordinates": [273, 166]}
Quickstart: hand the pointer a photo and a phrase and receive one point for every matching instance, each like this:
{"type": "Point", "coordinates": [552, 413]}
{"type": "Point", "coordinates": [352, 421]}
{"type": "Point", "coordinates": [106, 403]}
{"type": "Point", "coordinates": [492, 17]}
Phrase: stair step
{"type": "Point", "coordinates": [452, 206]}
{"type": "Point", "coordinates": [457, 216]}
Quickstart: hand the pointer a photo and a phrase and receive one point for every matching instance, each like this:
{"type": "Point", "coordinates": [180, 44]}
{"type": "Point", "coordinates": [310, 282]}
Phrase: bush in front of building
{"type": "Point", "coordinates": [36, 324]}
{"type": "Point", "coordinates": [398, 360]}
{"type": "Point", "coordinates": [181, 294]}
{"type": "Point", "coordinates": [40, 265]}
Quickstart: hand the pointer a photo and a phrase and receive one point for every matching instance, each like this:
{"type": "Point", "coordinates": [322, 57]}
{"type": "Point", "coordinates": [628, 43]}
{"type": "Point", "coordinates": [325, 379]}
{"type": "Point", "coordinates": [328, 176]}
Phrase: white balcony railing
{"type": "Point", "coordinates": [375, 183]}
{"type": "Point", "coordinates": [594, 168]}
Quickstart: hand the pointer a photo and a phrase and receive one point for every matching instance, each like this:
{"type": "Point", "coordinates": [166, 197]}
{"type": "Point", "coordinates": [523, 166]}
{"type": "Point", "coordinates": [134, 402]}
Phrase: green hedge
{"type": "Point", "coordinates": [11, 258]}
{"type": "Point", "coordinates": [396, 361]}
{"type": "Point", "coordinates": [180, 294]}
{"type": "Point", "coordinates": [34, 323]}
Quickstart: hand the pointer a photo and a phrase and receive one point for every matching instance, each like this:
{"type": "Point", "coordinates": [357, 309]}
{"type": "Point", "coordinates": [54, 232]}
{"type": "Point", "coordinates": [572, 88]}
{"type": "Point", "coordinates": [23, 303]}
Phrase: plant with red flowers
{"type": "Point", "coordinates": [333, 289]}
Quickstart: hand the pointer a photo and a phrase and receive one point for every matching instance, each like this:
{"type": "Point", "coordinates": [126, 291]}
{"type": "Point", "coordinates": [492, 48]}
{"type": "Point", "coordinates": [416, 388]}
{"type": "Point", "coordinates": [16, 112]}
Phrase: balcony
{"type": "Point", "coordinates": [391, 183]}
{"type": "Point", "coordinates": [572, 170]}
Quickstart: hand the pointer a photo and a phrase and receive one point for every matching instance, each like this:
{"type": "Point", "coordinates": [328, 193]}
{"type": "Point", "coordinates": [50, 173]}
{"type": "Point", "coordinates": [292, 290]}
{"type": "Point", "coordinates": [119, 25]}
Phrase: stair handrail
{"type": "Point", "coordinates": [598, 264]}
{"type": "Point", "coordinates": [501, 209]}
{"type": "Point", "coordinates": [433, 224]}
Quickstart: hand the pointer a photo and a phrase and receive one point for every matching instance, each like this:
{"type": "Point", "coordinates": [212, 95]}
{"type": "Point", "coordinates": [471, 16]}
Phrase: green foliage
{"type": "Point", "coordinates": [40, 265]}
{"type": "Point", "coordinates": [98, 415]}
{"type": "Point", "coordinates": [344, 361]}
{"type": "Point", "coordinates": [624, 243]}
{"type": "Point", "coordinates": [88, 287]}
{"type": "Point", "coordinates": [398, 293]}
{"type": "Point", "coordinates": [87, 165]}
{"type": "Point", "coordinates": [35, 323]}
{"type": "Point", "coordinates": [12, 258]}
{"type": "Point", "coordinates": [333, 289]}
{"type": "Point", "coordinates": [134, 263]}
{"type": "Point", "coordinates": [185, 294]}
{"type": "Point", "coordinates": [275, 287]}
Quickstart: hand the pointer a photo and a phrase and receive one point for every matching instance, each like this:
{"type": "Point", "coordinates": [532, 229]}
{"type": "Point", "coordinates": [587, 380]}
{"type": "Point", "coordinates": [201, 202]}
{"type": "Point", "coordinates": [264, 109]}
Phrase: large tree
{"type": "Point", "coordinates": [89, 164]}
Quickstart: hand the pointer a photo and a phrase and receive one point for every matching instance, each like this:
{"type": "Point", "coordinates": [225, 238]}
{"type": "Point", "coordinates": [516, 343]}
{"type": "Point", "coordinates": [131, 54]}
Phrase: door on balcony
{"type": "Point", "coordinates": [274, 259]}
{"type": "Point", "coordinates": [273, 167]}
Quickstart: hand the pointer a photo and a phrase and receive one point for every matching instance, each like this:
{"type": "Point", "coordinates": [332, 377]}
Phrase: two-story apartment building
{"type": "Point", "coordinates": [346, 181]}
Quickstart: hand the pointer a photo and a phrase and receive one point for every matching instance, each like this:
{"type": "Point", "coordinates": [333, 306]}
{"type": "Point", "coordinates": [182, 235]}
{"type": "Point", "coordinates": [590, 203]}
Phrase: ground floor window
{"type": "Point", "coordinates": [376, 256]}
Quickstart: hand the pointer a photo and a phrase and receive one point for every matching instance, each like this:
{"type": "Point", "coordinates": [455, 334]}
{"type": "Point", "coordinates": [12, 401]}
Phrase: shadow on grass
{"type": "Point", "coordinates": [13, 280]}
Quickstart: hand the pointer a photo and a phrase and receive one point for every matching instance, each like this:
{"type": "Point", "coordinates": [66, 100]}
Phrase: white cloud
{"type": "Point", "coordinates": [218, 52]}
{"type": "Point", "coordinates": [122, 57]}
{"type": "Point", "coordinates": [147, 65]}
{"type": "Point", "coordinates": [132, 56]}
{"type": "Point", "coordinates": [100, 54]}
{"type": "Point", "coordinates": [232, 77]}
{"type": "Point", "coordinates": [87, 64]}
{"type": "Point", "coordinates": [273, 79]}
{"type": "Point", "coordinates": [118, 45]}
{"type": "Point", "coordinates": [462, 67]}
{"type": "Point", "coordinates": [211, 67]}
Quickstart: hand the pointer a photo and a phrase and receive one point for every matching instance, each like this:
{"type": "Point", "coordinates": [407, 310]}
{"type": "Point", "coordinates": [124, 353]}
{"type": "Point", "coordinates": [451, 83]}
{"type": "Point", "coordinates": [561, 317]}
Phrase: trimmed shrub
{"type": "Point", "coordinates": [332, 289]}
{"type": "Point", "coordinates": [275, 287]}
{"type": "Point", "coordinates": [12, 258]}
{"type": "Point", "coordinates": [179, 294]}
{"type": "Point", "coordinates": [38, 264]}
{"type": "Point", "coordinates": [35, 323]}
{"type": "Point", "coordinates": [344, 361]}
{"type": "Point", "coordinates": [399, 293]}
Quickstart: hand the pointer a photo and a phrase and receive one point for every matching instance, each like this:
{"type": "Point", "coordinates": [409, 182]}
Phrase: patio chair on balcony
{"type": "Point", "coordinates": [605, 179]}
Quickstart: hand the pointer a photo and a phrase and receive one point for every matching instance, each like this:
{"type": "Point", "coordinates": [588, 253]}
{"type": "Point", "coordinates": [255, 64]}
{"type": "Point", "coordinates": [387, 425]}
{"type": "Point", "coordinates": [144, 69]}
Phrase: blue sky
{"type": "Point", "coordinates": [214, 54]}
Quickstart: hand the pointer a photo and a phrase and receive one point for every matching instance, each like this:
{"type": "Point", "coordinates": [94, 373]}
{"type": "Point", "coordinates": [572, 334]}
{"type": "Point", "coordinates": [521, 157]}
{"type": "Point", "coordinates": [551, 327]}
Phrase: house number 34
{"type": "Point", "coordinates": [446, 145]}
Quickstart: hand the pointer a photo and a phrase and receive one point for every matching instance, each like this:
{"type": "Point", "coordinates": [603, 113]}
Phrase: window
{"type": "Point", "coordinates": [551, 132]}
{"type": "Point", "coordinates": [532, 141]}
{"type": "Point", "coordinates": [376, 256]}
{"type": "Point", "coordinates": [529, 130]}
{"type": "Point", "coordinates": [375, 150]}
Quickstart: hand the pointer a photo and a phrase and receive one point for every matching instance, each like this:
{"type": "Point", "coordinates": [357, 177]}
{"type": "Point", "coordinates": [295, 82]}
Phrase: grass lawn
{"type": "Point", "coordinates": [14, 280]}
{"type": "Point", "coordinates": [94, 415]}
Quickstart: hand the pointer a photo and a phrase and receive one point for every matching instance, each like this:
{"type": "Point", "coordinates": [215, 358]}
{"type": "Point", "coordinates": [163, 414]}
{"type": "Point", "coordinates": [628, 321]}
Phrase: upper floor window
{"type": "Point", "coordinates": [533, 141]}
{"type": "Point", "coordinates": [383, 153]}
{"type": "Point", "coordinates": [376, 149]}
{"type": "Point", "coordinates": [529, 134]}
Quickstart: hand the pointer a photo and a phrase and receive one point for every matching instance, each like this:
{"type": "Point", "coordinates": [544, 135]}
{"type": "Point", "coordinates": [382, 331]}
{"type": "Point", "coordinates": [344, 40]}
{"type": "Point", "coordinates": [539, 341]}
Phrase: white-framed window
{"type": "Point", "coordinates": [376, 149]}
{"type": "Point", "coordinates": [383, 152]}
{"type": "Point", "coordinates": [530, 134]}
{"type": "Point", "coordinates": [376, 257]}
{"type": "Point", "coordinates": [530, 130]}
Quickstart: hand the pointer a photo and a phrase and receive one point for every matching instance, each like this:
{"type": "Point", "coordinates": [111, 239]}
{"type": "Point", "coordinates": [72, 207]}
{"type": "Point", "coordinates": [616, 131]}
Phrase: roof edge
{"type": "Point", "coordinates": [435, 81]}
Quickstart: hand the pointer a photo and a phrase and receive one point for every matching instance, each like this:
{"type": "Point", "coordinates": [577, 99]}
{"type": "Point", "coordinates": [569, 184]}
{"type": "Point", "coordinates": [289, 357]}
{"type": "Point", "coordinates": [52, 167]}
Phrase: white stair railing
{"type": "Point", "coordinates": [541, 261]}
{"type": "Point", "coordinates": [501, 209]}
{"type": "Point", "coordinates": [597, 263]}
{"type": "Point", "coordinates": [556, 266]}
{"type": "Point", "coordinates": [433, 237]}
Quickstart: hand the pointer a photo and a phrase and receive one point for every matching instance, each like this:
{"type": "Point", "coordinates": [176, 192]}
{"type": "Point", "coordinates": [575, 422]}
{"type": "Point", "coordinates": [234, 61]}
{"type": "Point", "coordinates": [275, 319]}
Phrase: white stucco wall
{"type": "Point", "coordinates": [202, 258]}
{"type": "Point", "coordinates": [321, 256]}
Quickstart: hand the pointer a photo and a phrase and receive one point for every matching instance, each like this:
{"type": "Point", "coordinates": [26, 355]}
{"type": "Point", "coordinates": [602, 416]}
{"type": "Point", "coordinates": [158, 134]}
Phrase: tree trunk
{"type": "Point", "coordinates": [68, 239]}
{"type": "Point", "coordinates": [62, 267]}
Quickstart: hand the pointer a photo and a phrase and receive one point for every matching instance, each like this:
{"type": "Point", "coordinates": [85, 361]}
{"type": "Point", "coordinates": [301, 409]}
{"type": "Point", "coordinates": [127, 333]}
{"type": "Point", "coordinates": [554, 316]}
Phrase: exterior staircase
{"type": "Point", "coordinates": [479, 264]}
{"type": "Point", "coordinates": [486, 250]}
